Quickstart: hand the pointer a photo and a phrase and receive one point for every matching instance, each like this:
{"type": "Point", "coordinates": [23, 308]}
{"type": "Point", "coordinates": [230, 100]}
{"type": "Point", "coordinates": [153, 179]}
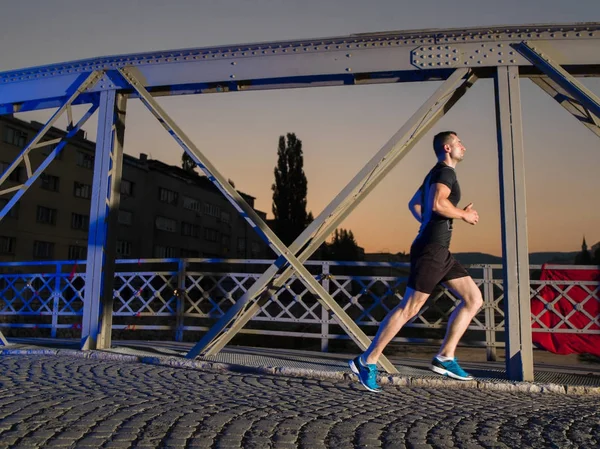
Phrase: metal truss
{"type": "Point", "coordinates": [33, 173]}
{"type": "Point", "coordinates": [98, 308]}
{"type": "Point", "coordinates": [456, 56]}
{"type": "Point", "coordinates": [316, 233]}
{"type": "Point", "coordinates": [563, 87]}
{"type": "Point", "coordinates": [515, 252]}
{"type": "Point", "coordinates": [560, 76]}
{"type": "Point", "coordinates": [404, 140]}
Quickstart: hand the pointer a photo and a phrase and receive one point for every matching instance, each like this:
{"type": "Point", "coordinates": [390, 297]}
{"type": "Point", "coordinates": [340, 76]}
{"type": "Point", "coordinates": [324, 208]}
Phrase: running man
{"type": "Point", "coordinates": [434, 206]}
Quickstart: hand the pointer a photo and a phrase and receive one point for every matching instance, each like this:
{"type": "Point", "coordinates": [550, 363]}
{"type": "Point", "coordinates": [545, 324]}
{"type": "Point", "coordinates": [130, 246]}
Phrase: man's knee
{"type": "Point", "coordinates": [412, 303]}
{"type": "Point", "coordinates": [473, 299]}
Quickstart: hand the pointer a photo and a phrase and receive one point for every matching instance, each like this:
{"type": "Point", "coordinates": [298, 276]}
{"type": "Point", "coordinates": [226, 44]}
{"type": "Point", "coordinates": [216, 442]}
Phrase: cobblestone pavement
{"type": "Point", "coordinates": [58, 401]}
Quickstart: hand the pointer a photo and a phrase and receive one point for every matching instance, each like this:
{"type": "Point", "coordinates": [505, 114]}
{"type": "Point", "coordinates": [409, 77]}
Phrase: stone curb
{"type": "Point", "coordinates": [395, 380]}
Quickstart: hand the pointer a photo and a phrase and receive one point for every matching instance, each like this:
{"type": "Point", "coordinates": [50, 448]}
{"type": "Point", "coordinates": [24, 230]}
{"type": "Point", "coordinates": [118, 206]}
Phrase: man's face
{"type": "Point", "coordinates": [457, 149]}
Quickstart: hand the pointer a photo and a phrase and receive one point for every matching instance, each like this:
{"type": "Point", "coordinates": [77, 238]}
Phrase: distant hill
{"type": "Point", "coordinates": [552, 257]}
{"type": "Point", "coordinates": [534, 258]}
{"type": "Point", "coordinates": [477, 258]}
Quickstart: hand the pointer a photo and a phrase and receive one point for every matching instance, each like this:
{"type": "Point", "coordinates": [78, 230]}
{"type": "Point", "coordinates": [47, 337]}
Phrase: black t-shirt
{"type": "Point", "coordinates": [434, 227]}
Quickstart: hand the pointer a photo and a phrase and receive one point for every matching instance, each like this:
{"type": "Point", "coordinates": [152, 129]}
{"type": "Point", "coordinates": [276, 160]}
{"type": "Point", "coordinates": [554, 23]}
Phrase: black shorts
{"type": "Point", "coordinates": [431, 264]}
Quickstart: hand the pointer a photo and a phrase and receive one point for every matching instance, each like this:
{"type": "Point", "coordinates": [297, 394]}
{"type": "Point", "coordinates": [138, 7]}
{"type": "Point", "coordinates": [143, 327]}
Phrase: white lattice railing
{"type": "Point", "coordinates": [188, 296]}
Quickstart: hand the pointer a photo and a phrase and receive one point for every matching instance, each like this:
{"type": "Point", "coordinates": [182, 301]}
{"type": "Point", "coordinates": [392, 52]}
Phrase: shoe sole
{"type": "Point", "coordinates": [355, 370]}
{"type": "Point", "coordinates": [445, 372]}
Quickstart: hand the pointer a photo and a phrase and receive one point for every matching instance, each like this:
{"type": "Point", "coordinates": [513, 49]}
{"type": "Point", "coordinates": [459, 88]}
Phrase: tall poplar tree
{"type": "Point", "coordinates": [289, 190]}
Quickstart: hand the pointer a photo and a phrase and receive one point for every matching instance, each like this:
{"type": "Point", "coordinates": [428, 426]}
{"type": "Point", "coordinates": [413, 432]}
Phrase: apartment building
{"type": "Point", "coordinates": [164, 211]}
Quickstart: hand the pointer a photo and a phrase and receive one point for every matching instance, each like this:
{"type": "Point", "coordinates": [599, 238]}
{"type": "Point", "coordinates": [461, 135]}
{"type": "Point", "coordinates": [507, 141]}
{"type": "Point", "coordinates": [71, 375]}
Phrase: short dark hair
{"type": "Point", "coordinates": [441, 139]}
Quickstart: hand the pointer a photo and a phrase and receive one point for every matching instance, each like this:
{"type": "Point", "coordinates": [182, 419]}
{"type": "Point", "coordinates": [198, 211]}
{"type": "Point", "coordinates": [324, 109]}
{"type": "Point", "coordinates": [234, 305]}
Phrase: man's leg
{"type": "Point", "coordinates": [365, 366]}
{"type": "Point", "coordinates": [465, 312]}
{"type": "Point", "coordinates": [410, 305]}
{"type": "Point", "coordinates": [445, 363]}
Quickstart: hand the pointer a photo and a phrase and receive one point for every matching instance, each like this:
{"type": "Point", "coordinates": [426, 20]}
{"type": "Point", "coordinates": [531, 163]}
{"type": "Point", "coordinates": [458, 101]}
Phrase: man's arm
{"type": "Point", "coordinates": [415, 206]}
{"type": "Point", "coordinates": [442, 205]}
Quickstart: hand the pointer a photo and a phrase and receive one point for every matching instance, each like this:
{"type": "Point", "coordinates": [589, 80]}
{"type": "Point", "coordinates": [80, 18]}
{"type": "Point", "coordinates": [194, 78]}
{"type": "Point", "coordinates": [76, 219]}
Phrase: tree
{"type": "Point", "coordinates": [289, 190]}
{"type": "Point", "coordinates": [343, 246]}
{"type": "Point", "coordinates": [187, 163]}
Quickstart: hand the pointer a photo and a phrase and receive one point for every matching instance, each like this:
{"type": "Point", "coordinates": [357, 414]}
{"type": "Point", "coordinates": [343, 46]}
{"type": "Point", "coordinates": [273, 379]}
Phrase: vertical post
{"type": "Point", "coordinates": [100, 267]}
{"type": "Point", "coordinates": [181, 295]}
{"type": "Point", "coordinates": [56, 299]}
{"type": "Point", "coordinates": [490, 313]}
{"type": "Point", "coordinates": [324, 310]}
{"type": "Point", "coordinates": [515, 254]}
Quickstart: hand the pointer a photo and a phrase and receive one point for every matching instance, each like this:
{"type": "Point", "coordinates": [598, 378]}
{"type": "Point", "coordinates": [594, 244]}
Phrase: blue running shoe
{"type": "Point", "coordinates": [451, 368]}
{"type": "Point", "coordinates": [367, 374]}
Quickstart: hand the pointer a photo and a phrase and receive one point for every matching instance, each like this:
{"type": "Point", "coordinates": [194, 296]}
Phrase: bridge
{"type": "Point", "coordinates": [551, 56]}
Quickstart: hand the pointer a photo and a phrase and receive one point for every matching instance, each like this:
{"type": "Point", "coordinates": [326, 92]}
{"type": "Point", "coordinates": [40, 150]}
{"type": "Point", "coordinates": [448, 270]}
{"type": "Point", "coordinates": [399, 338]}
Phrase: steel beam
{"type": "Point", "coordinates": [250, 215]}
{"type": "Point", "coordinates": [98, 297]}
{"type": "Point", "coordinates": [373, 172]}
{"type": "Point", "coordinates": [515, 253]}
{"type": "Point", "coordinates": [395, 56]}
{"type": "Point", "coordinates": [567, 101]}
{"type": "Point", "coordinates": [560, 76]}
{"type": "Point", "coordinates": [36, 142]}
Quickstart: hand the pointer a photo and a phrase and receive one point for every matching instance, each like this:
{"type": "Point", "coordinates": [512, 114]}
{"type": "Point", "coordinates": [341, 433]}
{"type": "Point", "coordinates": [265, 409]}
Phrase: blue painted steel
{"type": "Point", "coordinates": [99, 268]}
{"type": "Point", "coordinates": [17, 196]}
{"type": "Point", "coordinates": [364, 58]}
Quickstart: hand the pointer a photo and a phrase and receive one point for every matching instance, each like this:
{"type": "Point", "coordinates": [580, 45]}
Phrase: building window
{"type": "Point", "coordinates": [46, 215]}
{"type": "Point", "coordinates": [211, 235]}
{"type": "Point", "coordinates": [168, 196]}
{"type": "Point", "coordinates": [166, 224]}
{"type": "Point", "coordinates": [7, 245]}
{"type": "Point", "coordinates": [85, 160]}
{"type": "Point", "coordinates": [43, 250]}
{"type": "Point", "coordinates": [212, 210]}
{"type": "Point", "coordinates": [255, 248]}
{"type": "Point", "coordinates": [185, 252]}
{"type": "Point", "coordinates": [17, 175]}
{"type": "Point", "coordinates": [123, 248]}
{"type": "Point", "coordinates": [13, 212]}
{"type": "Point", "coordinates": [191, 204]}
{"type": "Point", "coordinates": [189, 229]}
{"type": "Point", "coordinates": [15, 137]}
{"type": "Point", "coordinates": [82, 190]}
{"type": "Point", "coordinates": [79, 221]}
{"type": "Point", "coordinates": [126, 188]}
{"type": "Point", "coordinates": [48, 149]}
{"type": "Point", "coordinates": [226, 217]}
{"type": "Point", "coordinates": [49, 182]}
{"type": "Point", "coordinates": [163, 252]}
{"type": "Point", "coordinates": [77, 252]}
{"type": "Point", "coordinates": [125, 217]}
{"type": "Point", "coordinates": [241, 244]}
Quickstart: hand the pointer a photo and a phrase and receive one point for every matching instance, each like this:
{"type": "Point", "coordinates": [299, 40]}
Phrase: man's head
{"type": "Point", "coordinates": [447, 145]}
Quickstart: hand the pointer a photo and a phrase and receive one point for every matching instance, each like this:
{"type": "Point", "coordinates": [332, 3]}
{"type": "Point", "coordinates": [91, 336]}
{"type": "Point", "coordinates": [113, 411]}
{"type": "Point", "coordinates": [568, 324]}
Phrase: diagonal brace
{"type": "Point", "coordinates": [591, 121]}
{"type": "Point", "coordinates": [560, 76]}
{"type": "Point", "coordinates": [35, 143]}
{"type": "Point", "coordinates": [367, 179]}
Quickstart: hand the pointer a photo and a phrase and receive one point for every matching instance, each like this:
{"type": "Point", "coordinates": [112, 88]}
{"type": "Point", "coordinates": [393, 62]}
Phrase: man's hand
{"type": "Point", "coordinates": [471, 216]}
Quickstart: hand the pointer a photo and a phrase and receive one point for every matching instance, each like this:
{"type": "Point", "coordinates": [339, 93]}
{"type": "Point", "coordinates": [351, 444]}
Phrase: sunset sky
{"type": "Point", "coordinates": [340, 127]}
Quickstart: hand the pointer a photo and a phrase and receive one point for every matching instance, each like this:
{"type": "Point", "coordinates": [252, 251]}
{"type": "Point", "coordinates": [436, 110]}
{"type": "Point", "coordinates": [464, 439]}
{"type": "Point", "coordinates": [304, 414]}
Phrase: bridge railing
{"type": "Point", "coordinates": [180, 299]}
